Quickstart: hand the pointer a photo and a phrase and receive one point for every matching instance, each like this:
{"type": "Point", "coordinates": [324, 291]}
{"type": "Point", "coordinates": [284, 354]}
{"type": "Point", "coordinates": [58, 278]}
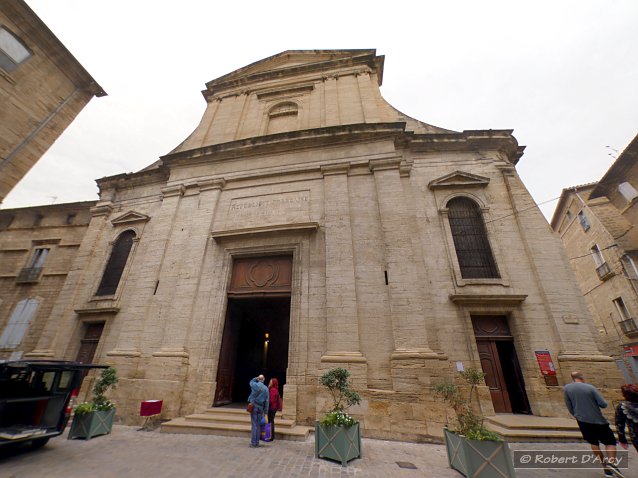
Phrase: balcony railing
{"type": "Point", "coordinates": [604, 272]}
{"type": "Point", "coordinates": [629, 327]}
{"type": "Point", "coordinates": [29, 274]}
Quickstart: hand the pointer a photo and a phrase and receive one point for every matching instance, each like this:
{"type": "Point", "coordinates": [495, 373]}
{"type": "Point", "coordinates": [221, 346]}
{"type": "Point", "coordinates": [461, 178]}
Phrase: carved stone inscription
{"type": "Point", "coordinates": [269, 209]}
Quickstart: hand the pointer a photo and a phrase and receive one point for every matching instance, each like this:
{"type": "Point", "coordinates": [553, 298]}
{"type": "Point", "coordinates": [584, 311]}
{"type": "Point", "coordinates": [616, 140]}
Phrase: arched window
{"type": "Point", "coordinates": [116, 264]}
{"type": "Point", "coordinates": [470, 240]}
{"type": "Point", "coordinates": [282, 117]}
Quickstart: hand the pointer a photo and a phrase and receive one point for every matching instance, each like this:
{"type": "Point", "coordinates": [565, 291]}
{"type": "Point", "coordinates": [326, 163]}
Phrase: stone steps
{"type": "Point", "coordinates": [529, 428]}
{"type": "Point", "coordinates": [228, 421]}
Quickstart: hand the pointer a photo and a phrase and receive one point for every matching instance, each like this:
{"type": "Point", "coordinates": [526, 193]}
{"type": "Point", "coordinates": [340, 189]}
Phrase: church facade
{"type": "Point", "coordinates": [307, 224]}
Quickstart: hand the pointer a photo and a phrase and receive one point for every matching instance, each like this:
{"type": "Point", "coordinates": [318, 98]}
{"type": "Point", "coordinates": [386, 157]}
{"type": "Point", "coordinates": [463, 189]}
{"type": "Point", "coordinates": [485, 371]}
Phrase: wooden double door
{"type": "Point", "coordinates": [500, 364]}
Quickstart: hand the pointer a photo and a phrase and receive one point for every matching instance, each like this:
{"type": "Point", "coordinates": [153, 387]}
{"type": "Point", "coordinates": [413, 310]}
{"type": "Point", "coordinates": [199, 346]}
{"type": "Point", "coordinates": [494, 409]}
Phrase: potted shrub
{"type": "Point", "coordinates": [337, 435]}
{"type": "Point", "coordinates": [95, 417]}
{"type": "Point", "coordinates": [472, 449]}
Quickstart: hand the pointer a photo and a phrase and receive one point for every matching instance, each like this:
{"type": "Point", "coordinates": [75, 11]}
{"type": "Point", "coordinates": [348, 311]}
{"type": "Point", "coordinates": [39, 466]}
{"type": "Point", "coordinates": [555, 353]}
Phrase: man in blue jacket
{"type": "Point", "coordinates": [259, 398]}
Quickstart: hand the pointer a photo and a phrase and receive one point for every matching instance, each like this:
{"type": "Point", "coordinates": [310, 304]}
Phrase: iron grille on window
{"type": "Point", "coordinates": [117, 262]}
{"type": "Point", "coordinates": [470, 240]}
{"type": "Point", "coordinates": [29, 274]}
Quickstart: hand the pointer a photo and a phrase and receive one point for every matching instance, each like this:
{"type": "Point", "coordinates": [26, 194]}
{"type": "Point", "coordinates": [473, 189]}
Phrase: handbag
{"type": "Point", "coordinates": [250, 407]}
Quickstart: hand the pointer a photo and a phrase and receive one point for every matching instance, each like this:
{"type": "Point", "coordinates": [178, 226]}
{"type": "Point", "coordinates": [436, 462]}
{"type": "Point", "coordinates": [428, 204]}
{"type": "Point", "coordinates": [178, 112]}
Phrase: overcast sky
{"type": "Point", "coordinates": [562, 74]}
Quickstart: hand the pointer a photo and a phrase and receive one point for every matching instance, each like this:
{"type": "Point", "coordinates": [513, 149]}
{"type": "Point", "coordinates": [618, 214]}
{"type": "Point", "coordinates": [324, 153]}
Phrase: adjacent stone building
{"type": "Point", "coordinates": [37, 248]}
{"type": "Point", "coordinates": [307, 224]}
{"type": "Point", "coordinates": [42, 89]}
{"type": "Point", "coordinates": [596, 223]}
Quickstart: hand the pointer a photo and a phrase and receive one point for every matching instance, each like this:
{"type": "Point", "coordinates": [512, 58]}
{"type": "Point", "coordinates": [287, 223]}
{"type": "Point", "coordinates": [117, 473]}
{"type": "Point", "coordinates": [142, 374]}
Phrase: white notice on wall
{"type": "Point", "coordinates": [459, 366]}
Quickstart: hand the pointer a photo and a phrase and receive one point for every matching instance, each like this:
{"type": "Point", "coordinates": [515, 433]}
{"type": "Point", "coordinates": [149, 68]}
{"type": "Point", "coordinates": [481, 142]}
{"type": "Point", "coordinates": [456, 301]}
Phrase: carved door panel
{"type": "Point", "coordinates": [266, 276]}
{"type": "Point", "coordinates": [491, 365]}
{"type": "Point", "coordinates": [227, 360]}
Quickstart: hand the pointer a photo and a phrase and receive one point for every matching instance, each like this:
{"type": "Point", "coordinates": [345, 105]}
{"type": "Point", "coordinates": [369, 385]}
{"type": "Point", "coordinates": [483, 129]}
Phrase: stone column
{"type": "Point", "coordinates": [58, 328]}
{"type": "Point", "coordinates": [185, 256]}
{"type": "Point", "coordinates": [341, 296]}
{"type": "Point", "coordinates": [404, 288]}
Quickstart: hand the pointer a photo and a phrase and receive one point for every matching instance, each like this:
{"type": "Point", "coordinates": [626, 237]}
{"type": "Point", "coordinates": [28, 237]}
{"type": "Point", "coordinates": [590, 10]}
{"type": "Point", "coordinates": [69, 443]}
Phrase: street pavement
{"type": "Point", "coordinates": [127, 452]}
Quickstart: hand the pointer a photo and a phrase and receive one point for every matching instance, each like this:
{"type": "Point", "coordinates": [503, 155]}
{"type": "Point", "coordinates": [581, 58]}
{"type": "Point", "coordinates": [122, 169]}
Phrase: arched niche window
{"type": "Point", "coordinates": [117, 262]}
{"type": "Point", "coordinates": [470, 240]}
{"type": "Point", "coordinates": [282, 117]}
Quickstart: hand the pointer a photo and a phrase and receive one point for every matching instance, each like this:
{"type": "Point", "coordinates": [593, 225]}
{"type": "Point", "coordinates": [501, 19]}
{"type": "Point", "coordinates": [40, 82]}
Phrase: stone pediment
{"type": "Point", "coordinates": [130, 217]}
{"type": "Point", "coordinates": [459, 179]}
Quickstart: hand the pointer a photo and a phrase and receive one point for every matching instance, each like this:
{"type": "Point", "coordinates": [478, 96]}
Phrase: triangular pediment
{"type": "Point", "coordinates": [291, 59]}
{"type": "Point", "coordinates": [130, 217]}
{"type": "Point", "coordinates": [459, 179]}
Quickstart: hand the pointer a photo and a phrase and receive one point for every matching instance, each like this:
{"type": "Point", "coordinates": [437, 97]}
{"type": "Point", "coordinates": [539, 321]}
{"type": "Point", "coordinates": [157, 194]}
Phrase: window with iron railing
{"type": "Point", "coordinates": [116, 264]}
{"type": "Point", "coordinates": [629, 327]}
{"type": "Point", "coordinates": [472, 246]}
{"type": "Point", "coordinates": [33, 270]}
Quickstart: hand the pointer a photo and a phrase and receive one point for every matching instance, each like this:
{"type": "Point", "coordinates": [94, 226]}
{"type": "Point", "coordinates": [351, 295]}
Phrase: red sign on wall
{"type": "Point", "coordinates": [631, 350]}
{"type": "Point", "coordinates": [545, 362]}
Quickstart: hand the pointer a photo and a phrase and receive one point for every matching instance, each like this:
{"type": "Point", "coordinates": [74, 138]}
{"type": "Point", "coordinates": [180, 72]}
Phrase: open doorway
{"type": "Point", "coordinates": [255, 341]}
{"type": "Point", "coordinates": [499, 362]}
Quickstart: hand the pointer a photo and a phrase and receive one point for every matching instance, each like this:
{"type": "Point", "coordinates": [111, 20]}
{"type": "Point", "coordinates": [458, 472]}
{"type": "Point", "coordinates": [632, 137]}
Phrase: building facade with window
{"type": "Point", "coordinates": [38, 246]}
{"type": "Point", "coordinates": [596, 223]}
{"type": "Point", "coordinates": [42, 89]}
{"type": "Point", "coordinates": [306, 224]}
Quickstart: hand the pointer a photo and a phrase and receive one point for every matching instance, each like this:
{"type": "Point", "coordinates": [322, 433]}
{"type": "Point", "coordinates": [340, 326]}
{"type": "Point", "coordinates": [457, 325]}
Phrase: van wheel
{"type": "Point", "coordinates": [39, 443]}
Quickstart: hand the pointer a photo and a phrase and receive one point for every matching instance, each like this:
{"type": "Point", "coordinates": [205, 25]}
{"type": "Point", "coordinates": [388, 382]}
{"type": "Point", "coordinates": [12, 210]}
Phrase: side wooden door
{"type": "Point", "coordinates": [227, 360]}
{"type": "Point", "coordinates": [494, 378]}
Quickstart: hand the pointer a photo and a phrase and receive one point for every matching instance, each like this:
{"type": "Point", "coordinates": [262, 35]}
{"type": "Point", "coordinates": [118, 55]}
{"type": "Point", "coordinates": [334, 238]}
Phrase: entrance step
{"type": "Point", "coordinates": [530, 428]}
{"type": "Point", "coordinates": [230, 421]}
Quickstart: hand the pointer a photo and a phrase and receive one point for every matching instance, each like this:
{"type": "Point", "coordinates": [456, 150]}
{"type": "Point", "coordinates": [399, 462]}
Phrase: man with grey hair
{"type": "Point", "coordinates": [584, 402]}
{"type": "Point", "coordinates": [259, 399]}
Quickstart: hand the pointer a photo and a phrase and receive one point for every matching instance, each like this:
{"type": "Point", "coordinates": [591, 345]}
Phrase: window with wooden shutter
{"type": "Point", "coordinates": [117, 262]}
{"type": "Point", "coordinates": [470, 240]}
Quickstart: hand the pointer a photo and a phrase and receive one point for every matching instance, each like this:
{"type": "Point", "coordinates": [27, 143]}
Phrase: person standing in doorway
{"type": "Point", "coordinates": [627, 416]}
{"type": "Point", "coordinates": [584, 402]}
{"type": "Point", "coordinates": [259, 398]}
{"type": "Point", "coordinates": [274, 404]}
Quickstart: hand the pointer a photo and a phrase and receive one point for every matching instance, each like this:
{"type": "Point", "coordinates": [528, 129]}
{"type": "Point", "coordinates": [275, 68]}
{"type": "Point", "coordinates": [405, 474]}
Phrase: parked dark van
{"type": "Point", "coordinates": [36, 398]}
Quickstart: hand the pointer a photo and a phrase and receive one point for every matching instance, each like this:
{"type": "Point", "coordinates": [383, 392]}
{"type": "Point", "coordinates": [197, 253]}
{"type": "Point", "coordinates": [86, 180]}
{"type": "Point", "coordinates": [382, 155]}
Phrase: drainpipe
{"type": "Point", "coordinates": [40, 127]}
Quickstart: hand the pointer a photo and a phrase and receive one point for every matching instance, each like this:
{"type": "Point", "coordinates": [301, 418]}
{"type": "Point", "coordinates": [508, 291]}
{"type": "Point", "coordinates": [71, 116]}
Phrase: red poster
{"type": "Point", "coordinates": [545, 362]}
{"type": "Point", "coordinates": [631, 350]}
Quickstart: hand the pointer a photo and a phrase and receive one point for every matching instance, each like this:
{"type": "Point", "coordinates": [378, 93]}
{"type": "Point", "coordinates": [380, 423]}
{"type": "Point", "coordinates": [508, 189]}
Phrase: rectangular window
{"type": "Point", "coordinates": [628, 191]}
{"type": "Point", "coordinates": [621, 308]}
{"type": "Point", "coordinates": [12, 50]}
{"type": "Point", "coordinates": [630, 267]}
{"type": "Point", "coordinates": [583, 220]}
{"type": "Point", "coordinates": [18, 323]}
{"type": "Point", "coordinates": [597, 255]}
{"type": "Point", "coordinates": [39, 256]}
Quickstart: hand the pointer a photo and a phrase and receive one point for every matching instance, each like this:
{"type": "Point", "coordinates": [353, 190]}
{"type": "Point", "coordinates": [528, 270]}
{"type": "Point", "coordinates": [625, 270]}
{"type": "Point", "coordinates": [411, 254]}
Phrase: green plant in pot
{"type": "Point", "coordinates": [472, 449]}
{"type": "Point", "coordinates": [95, 418]}
{"type": "Point", "coordinates": [338, 435]}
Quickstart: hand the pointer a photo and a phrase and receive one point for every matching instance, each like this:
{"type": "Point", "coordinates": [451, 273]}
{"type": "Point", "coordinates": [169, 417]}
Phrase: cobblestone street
{"type": "Point", "coordinates": [128, 452]}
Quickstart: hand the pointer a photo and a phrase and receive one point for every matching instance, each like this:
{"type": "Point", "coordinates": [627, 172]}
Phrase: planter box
{"type": "Point", "coordinates": [479, 458]}
{"type": "Point", "coordinates": [89, 425]}
{"type": "Point", "coordinates": [338, 442]}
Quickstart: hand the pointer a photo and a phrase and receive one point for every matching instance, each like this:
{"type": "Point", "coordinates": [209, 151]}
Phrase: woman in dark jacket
{"type": "Point", "coordinates": [627, 416]}
{"type": "Point", "coordinates": [275, 404]}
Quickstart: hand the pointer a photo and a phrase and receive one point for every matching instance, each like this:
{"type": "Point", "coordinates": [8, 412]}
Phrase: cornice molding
{"type": "Point", "coordinates": [293, 227]}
